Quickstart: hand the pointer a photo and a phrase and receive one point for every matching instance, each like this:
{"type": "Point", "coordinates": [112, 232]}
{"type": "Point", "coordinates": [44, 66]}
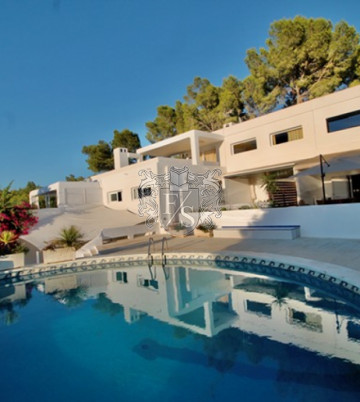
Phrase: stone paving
{"type": "Point", "coordinates": [342, 252]}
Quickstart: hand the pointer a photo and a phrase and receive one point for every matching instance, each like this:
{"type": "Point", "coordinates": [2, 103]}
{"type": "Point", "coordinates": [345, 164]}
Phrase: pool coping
{"type": "Point", "coordinates": [345, 277]}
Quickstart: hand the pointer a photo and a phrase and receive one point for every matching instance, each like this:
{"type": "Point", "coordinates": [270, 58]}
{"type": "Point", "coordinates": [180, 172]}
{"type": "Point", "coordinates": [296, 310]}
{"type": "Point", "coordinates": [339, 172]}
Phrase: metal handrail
{"type": "Point", "coordinates": [163, 256]}
{"type": "Point", "coordinates": [150, 257]}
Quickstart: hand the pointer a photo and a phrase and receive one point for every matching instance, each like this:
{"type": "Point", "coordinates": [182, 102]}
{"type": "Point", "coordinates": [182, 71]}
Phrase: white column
{"type": "Point", "coordinates": [209, 318]}
{"type": "Point", "coordinates": [195, 151]}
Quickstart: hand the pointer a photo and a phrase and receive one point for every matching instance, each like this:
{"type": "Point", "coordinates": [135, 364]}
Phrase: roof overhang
{"type": "Point", "coordinates": [180, 143]}
{"type": "Point", "coordinates": [250, 172]}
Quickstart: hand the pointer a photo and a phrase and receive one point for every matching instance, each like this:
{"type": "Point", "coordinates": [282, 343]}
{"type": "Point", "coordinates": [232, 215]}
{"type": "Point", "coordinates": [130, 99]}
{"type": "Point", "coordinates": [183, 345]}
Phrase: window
{"type": "Point", "coordinates": [258, 308]}
{"type": "Point", "coordinates": [245, 146]}
{"type": "Point", "coordinates": [135, 193]}
{"type": "Point", "coordinates": [121, 277]}
{"type": "Point", "coordinates": [116, 196]}
{"type": "Point", "coordinates": [310, 321]}
{"type": "Point", "coordinates": [343, 121]}
{"type": "Point", "coordinates": [209, 155]}
{"type": "Point", "coordinates": [144, 192]}
{"type": "Point", "coordinates": [287, 136]}
{"type": "Point", "coordinates": [353, 330]}
{"type": "Point", "coordinates": [151, 284]}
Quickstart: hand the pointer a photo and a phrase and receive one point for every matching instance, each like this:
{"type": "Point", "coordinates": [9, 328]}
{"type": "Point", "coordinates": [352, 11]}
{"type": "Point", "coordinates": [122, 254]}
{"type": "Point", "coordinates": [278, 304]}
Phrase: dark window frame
{"type": "Point", "coordinates": [115, 196]}
{"type": "Point", "coordinates": [144, 192]}
{"type": "Point", "coordinates": [284, 136]}
{"type": "Point", "coordinates": [248, 141]}
{"type": "Point", "coordinates": [341, 118]}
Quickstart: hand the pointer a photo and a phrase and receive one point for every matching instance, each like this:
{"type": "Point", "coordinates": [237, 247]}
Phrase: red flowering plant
{"type": "Point", "coordinates": [15, 220]}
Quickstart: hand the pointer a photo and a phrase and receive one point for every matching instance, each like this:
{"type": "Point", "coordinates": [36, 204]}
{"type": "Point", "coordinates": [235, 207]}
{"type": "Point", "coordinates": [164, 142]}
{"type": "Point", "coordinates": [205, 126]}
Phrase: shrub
{"type": "Point", "coordinates": [15, 219]}
{"type": "Point", "coordinates": [68, 237]}
{"type": "Point", "coordinates": [71, 236]}
{"type": "Point", "coordinates": [206, 227]}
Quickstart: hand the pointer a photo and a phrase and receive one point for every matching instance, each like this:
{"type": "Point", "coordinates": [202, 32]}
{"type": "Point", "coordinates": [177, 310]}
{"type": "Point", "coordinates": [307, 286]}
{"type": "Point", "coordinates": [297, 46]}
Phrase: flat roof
{"type": "Point", "coordinates": [180, 143]}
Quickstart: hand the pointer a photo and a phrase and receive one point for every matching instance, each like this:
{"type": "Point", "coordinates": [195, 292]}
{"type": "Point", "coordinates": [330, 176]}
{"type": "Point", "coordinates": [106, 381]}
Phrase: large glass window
{"type": "Point", "coordinates": [343, 121]}
{"type": "Point", "coordinates": [245, 146]}
{"type": "Point", "coordinates": [287, 136]}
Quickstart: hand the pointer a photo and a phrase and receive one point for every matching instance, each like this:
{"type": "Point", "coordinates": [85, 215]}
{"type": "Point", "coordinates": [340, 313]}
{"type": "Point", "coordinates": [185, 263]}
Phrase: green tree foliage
{"type": "Point", "coordinates": [125, 139]}
{"type": "Point", "coordinates": [16, 197]}
{"type": "Point", "coordinates": [231, 100]}
{"type": "Point", "coordinates": [100, 156]}
{"type": "Point", "coordinates": [203, 100]}
{"type": "Point", "coordinates": [6, 198]}
{"type": "Point", "coordinates": [305, 58]}
{"type": "Point", "coordinates": [71, 177]}
{"type": "Point", "coordinates": [205, 107]}
{"type": "Point", "coordinates": [164, 125]}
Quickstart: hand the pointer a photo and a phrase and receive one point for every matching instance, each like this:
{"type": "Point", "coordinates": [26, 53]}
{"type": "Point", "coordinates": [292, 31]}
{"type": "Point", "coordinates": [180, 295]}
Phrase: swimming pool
{"type": "Point", "coordinates": [196, 329]}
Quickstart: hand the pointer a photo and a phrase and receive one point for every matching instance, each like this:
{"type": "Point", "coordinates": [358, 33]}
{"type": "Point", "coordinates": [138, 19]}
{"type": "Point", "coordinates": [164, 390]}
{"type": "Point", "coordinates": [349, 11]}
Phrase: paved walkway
{"type": "Point", "coordinates": [345, 253]}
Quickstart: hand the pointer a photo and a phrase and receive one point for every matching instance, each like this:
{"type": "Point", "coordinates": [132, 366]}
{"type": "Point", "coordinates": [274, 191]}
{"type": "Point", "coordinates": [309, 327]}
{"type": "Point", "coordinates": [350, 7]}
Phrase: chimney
{"type": "Point", "coordinates": [121, 158]}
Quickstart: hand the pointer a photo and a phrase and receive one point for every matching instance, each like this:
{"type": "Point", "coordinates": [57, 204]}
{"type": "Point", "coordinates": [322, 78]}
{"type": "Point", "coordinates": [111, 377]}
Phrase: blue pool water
{"type": "Point", "coordinates": [176, 334]}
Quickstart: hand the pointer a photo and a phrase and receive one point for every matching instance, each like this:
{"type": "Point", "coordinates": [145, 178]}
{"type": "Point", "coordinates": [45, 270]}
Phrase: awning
{"type": "Point", "coordinates": [335, 165]}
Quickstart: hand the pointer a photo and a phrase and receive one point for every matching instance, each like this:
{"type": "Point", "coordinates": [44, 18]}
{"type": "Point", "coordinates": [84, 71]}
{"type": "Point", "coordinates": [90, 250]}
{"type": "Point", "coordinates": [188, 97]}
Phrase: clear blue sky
{"type": "Point", "coordinates": [72, 71]}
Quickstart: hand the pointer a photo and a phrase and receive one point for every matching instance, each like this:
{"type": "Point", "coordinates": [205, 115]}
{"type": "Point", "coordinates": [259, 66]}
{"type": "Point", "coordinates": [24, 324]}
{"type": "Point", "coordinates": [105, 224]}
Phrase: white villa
{"type": "Point", "coordinates": [285, 142]}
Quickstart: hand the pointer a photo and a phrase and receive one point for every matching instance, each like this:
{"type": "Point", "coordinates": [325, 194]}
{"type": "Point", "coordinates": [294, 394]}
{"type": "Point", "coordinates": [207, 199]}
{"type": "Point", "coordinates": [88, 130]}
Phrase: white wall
{"type": "Point", "coordinates": [124, 180]}
{"type": "Point", "coordinates": [237, 191]}
{"type": "Point", "coordinates": [71, 194]}
{"type": "Point", "coordinates": [310, 115]}
{"type": "Point", "coordinates": [324, 221]}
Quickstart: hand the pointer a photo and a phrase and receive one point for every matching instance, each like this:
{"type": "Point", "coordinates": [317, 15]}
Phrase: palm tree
{"type": "Point", "coordinates": [281, 292]}
{"type": "Point", "coordinates": [269, 183]}
{"type": "Point", "coordinates": [71, 236]}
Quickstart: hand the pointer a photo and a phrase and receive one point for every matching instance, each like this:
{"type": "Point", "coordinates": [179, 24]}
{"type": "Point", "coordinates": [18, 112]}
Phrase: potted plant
{"type": "Point", "coordinates": [12, 255]}
{"type": "Point", "coordinates": [204, 230]}
{"type": "Point", "coordinates": [64, 247]}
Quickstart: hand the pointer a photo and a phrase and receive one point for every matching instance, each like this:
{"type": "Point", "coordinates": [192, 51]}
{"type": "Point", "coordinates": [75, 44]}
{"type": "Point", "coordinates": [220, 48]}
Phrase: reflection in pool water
{"type": "Point", "coordinates": [176, 333]}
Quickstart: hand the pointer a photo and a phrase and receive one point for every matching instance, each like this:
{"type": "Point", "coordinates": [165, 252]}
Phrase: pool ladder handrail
{"type": "Point", "coordinates": [163, 256]}
{"type": "Point", "coordinates": [150, 257]}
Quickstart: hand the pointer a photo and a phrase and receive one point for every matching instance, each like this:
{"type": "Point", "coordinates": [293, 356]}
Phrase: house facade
{"type": "Point", "coordinates": [251, 155]}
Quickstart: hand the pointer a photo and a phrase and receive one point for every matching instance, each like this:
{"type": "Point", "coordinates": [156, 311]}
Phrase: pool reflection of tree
{"type": "Point", "coordinates": [106, 305]}
{"type": "Point", "coordinates": [281, 292]}
{"type": "Point", "coordinates": [8, 308]}
{"type": "Point", "coordinates": [71, 297]}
